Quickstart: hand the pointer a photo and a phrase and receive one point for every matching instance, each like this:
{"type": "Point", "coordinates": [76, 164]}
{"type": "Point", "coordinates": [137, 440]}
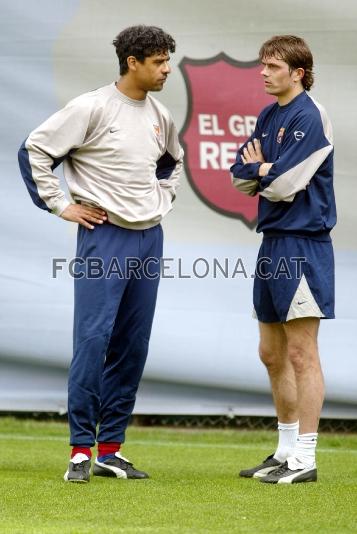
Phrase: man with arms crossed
{"type": "Point", "coordinates": [122, 161]}
{"type": "Point", "coordinates": [288, 161]}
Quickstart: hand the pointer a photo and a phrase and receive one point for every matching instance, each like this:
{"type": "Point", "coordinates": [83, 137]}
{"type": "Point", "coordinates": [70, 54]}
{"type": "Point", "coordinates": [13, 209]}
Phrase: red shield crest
{"type": "Point", "coordinates": [225, 98]}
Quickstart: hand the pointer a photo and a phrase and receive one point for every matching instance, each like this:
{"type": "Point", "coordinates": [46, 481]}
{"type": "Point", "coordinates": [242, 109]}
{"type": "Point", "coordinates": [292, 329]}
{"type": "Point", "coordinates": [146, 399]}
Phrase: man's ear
{"type": "Point", "coordinates": [299, 74]}
{"type": "Point", "coordinates": [131, 61]}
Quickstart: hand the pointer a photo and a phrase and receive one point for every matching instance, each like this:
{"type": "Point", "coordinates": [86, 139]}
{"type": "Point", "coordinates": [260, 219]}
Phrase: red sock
{"type": "Point", "coordinates": [83, 450]}
{"type": "Point", "coordinates": [108, 448]}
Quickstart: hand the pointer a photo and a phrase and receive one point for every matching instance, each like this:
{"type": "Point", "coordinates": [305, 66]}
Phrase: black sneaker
{"type": "Point", "coordinates": [117, 466]}
{"type": "Point", "coordinates": [284, 475]}
{"type": "Point", "coordinates": [262, 469]}
{"type": "Point", "coordinates": [78, 469]}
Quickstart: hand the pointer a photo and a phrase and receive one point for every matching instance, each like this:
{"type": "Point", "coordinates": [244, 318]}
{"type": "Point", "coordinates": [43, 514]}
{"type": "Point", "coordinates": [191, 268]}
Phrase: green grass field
{"type": "Point", "coordinates": [193, 487]}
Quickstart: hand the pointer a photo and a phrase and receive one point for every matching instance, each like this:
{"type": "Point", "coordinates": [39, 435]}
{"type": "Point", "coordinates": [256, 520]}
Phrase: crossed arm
{"type": "Point", "coordinates": [250, 164]}
{"type": "Point", "coordinates": [299, 159]}
{"type": "Point", "coordinates": [252, 153]}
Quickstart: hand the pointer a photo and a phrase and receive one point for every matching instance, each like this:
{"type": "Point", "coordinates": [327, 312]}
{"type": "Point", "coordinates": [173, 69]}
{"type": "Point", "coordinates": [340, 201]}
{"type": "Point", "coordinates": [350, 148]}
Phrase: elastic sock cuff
{"type": "Point", "coordinates": [288, 426]}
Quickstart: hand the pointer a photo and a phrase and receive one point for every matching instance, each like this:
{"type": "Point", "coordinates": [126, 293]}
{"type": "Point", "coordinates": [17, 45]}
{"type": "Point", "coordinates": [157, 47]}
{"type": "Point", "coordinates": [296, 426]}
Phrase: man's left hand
{"type": "Point", "coordinates": [252, 153]}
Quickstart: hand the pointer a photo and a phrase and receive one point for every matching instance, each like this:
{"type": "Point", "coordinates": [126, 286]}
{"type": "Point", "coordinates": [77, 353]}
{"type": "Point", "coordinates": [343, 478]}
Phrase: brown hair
{"type": "Point", "coordinates": [294, 51]}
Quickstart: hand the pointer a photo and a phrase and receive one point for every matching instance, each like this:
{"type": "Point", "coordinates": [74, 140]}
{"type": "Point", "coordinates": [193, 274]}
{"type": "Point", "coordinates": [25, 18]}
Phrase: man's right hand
{"type": "Point", "coordinates": [84, 215]}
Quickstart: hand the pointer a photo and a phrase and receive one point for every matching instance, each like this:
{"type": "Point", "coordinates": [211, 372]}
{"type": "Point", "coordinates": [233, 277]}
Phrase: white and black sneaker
{"type": "Point", "coordinates": [78, 469]}
{"type": "Point", "coordinates": [117, 466]}
{"type": "Point", "coordinates": [262, 469]}
{"type": "Point", "coordinates": [286, 475]}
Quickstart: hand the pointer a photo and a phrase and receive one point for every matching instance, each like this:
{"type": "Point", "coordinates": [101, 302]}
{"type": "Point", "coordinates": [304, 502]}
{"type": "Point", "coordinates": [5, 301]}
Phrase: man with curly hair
{"type": "Point", "coordinates": [122, 162]}
{"type": "Point", "coordinates": [288, 162]}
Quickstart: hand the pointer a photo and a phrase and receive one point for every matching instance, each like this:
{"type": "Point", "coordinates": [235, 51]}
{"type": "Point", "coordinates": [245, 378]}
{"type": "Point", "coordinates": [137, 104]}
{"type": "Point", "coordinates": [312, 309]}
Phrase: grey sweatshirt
{"type": "Point", "coordinates": [120, 154]}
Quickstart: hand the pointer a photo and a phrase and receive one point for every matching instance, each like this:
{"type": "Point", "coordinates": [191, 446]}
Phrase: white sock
{"type": "Point", "coordinates": [288, 433]}
{"type": "Point", "coordinates": [79, 457]}
{"type": "Point", "coordinates": [303, 456]}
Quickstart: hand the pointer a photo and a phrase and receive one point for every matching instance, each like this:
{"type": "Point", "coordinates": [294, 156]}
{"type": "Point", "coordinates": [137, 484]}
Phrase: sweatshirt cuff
{"type": "Point", "coordinates": [253, 171]}
{"type": "Point", "coordinates": [169, 189]}
{"type": "Point", "coordinates": [59, 206]}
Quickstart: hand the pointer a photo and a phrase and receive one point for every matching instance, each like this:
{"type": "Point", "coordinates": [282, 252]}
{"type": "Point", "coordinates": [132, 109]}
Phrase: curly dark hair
{"type": "Point", "coordinates": [294, 51]}
{"type": "Point", "coordinates": [141, 42]}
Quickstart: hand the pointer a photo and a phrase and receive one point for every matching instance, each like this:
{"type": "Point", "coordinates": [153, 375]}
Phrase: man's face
{"type": "Point", "coordinates": [279, 79]}
{"type": "Point", "coordinates": [151, 74]}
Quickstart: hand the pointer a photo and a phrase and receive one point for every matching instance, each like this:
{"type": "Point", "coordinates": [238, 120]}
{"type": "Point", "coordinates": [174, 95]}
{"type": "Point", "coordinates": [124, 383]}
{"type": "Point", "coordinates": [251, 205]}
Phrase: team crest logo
{"type": "Point", "coordinates": [156, 129]}
{"type": "Point", "coordinates": [225, 98]}
{"type": "Point", "coordinates": [280, 135]}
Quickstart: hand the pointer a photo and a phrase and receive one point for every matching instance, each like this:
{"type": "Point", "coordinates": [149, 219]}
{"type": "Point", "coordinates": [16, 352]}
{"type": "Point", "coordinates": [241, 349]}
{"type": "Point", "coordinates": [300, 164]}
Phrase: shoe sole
{"type": "Point", "coordinates": [74, 480]}
{"type": "Point", "coordinates": [308, 476]}
{"type": "Point", "coordinates": [311, 476]}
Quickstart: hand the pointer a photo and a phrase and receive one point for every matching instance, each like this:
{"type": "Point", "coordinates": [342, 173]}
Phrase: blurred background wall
{"type": "Point", "coordinates": [203, 355]}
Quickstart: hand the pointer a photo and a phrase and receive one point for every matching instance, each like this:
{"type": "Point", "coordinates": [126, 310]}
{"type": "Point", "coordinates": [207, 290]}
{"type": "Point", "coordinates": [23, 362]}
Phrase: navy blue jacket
{"type": "Point", "coordinates": [296, 196]}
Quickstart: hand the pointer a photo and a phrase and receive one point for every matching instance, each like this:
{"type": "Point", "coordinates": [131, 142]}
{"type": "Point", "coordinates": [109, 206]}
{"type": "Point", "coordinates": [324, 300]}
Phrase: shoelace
{"type": "Point", "coordinates": [124, 462]}
{"type": "Point", "coordinates": [118, 455]}
{"type": "Point", "coordinates": [280, 470]}
{"type": "Point", "coordinates": [79, 467]}
{"type": "Point", "coordinates": [270, 457]}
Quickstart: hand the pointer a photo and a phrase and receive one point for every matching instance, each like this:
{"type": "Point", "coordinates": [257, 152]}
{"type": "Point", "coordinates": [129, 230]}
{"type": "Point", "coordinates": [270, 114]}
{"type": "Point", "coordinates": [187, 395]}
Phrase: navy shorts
{"type": "Point", "coordinates": [294, 278]}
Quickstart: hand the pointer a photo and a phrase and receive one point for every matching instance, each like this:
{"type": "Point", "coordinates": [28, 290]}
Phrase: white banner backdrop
{"type": "Point", "coordinates": [204, 343]}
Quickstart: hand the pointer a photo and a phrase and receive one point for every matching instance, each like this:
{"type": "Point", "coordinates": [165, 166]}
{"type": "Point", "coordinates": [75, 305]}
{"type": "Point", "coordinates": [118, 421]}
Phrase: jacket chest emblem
{"type": "Point", "coordinates": [280, 135]}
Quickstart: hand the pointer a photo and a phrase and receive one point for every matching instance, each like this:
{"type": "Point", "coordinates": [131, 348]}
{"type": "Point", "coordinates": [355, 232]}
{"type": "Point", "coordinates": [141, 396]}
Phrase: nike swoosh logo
{"type": "Point", "coordinates": [301, 302]}
{"type": "Point", "coordinates": [265, 134]}
{"type": "Point", "coordinates": [112, 130]}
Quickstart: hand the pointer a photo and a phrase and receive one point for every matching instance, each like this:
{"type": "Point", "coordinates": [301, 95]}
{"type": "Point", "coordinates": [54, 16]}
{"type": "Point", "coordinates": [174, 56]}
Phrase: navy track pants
{"type": "Point", "coordinates": [114, 305]}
